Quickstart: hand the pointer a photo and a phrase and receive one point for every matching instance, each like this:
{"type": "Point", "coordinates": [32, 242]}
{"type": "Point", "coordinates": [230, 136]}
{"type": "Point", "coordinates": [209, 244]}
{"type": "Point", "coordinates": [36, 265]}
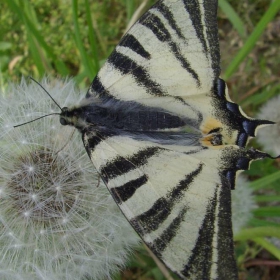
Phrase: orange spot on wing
{"type": "Point", "coordinates": [210, 124]}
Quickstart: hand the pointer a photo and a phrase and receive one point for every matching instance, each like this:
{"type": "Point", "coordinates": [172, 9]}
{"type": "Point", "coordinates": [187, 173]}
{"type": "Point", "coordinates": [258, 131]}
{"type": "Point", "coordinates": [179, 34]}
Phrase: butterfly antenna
{"type": "Point", "coordinates": [36, 119]}
{"type": "Point", "coordinates": [46, 92]}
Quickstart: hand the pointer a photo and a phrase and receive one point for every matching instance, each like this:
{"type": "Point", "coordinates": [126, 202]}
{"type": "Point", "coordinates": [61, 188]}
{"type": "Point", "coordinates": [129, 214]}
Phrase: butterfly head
{"type": "Point", "coordinates": [72, 116]}
{"type": "Point", "coordinates": [63, 116]}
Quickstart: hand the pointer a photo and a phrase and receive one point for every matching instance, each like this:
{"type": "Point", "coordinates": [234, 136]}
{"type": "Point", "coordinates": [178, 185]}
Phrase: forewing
{"type": "Point", "coordinates": [176, 198]}
{"type": "Point", "coordinates": [172, 37]}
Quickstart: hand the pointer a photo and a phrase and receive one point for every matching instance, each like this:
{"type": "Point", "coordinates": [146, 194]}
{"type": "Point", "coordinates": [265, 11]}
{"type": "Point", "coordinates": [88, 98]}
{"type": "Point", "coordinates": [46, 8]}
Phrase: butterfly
{"type": "Point", "coordinates": [161, 130]}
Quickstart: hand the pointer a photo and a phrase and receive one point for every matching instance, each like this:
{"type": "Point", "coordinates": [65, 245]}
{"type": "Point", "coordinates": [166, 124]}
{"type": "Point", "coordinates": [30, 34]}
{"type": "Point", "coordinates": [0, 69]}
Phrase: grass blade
{"type": "Point", "coordinates": [92, 39]}
{"type": "Point", "coordinates": [268, 211]}
{"type": "Point", "coordinates": [268, 246]}
{"type": "Point", "coordinates": [267, 198]}
{"type": "Point", "coordinates": [253, 38]}
{"type": "Point", "coordinates": [252, 233]}
{"type": "Point", "coordinates": [86, 61]}
{"type": "Point", "coordinates": [265, 181]}
{"type": "Point", "coordinates": [60, 66]}
{"type": "Point", "coordinates": [233, 17]}
{"type": "Point", "coordinates": [255, 222]}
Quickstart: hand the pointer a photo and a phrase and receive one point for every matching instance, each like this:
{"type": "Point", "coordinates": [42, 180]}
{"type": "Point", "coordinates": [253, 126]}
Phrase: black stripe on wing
{"type": "Point", "coordinates": [225, 236]}
{"type": "Point", "coordinates": [94, 137]}
{"type": "Point", "coordinates": [142, 77]}
{"type": "Point", "coordinates": [132, 43]}
{"type": "Point", "coordinates": [120, 165]}
{"type": "Point", "coordinates": [193, 7]}
{"type": "Point", "coordinates": [97, 89]}
{"type": "Point", "coordinates": [210, 14]}
{"type": "Point", "coordinates": [164, 10]}
{"type": "Point", "coordinates": [198, 264]}
{"type": "Point", "coordinates": [126, 191]}
{"type": "Point", "coordinates": [160, 243]}
{"type": "Point", "coordinates": [152, 219]}
{"type": "Point", "coordinates": [158, 28]}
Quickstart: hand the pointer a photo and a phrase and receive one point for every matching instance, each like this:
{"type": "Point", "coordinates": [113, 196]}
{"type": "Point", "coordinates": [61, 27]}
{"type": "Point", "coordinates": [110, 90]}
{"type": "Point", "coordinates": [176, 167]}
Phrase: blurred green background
{"type": "Point", "coordinates": [73, 38]}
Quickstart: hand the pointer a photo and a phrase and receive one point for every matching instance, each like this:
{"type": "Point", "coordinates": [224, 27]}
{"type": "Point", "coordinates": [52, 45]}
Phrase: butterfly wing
{"type": "Point", "coordinates": [177, 198]}
{"type": "Point", "coordinates": [172, 37]}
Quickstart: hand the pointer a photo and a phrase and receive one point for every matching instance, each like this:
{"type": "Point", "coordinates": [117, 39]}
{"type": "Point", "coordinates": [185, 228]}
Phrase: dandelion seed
{"type": "Point", "coordinates": [30, 168]}
{"type": "Point", "coordinates": [269, 137]}
{"type": "Point", "coordinates": [55, 223]}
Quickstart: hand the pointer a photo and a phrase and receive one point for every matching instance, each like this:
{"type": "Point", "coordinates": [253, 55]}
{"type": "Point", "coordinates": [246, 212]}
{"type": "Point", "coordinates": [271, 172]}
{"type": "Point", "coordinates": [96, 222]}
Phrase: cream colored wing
{"type": "Point", "coordinates": [177, 198]}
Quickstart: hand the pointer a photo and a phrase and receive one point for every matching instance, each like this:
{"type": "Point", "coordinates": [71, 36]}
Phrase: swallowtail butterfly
{"type": "Point", "coordinates": [159, 126]}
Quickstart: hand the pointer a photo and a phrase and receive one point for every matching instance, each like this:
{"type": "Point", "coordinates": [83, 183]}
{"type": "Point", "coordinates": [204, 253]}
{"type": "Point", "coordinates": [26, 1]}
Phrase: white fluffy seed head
{"type": "Point", "coordinates": [269, 136]}
{"type": "Point", "coordinates": [243, 204]}
{"type": "Point", "coordinates": [55, 223]}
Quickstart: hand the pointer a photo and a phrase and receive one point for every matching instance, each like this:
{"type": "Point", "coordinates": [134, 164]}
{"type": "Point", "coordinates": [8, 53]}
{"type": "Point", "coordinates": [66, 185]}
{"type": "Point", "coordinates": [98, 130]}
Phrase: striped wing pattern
{"type": "Point", "coordinates": [171, 38]}
{"type": "Point", "coordinates": [166, 139]}
{"type": "Point", "coordinates": [177, 201]}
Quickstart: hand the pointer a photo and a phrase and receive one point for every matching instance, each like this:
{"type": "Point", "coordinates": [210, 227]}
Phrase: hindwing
{"type": "Point", "coordinates": [177, 198]}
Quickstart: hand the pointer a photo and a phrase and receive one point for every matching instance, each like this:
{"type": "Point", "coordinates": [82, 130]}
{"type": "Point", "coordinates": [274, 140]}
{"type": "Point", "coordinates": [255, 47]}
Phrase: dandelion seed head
{"type": "Point", "coordinates": [269, 136]}
{"type": "Point", "coordinates": [55, 223]}
{"type": "Point", "coordinates": [243, 204]}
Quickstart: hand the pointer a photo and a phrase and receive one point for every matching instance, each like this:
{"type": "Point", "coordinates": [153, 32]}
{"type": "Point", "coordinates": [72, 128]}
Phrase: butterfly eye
{"type": "Point", "coordinates": [217, 140]}
{"type": "Point", "coordinates": [63, 121]}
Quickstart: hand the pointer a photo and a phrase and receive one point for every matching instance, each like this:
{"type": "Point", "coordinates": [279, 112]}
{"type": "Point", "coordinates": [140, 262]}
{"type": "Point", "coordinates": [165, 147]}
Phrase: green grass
{"type": "Point", "coordinates": [251, 41]}
{"type": "Point", "coordinates": [73, 38]}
